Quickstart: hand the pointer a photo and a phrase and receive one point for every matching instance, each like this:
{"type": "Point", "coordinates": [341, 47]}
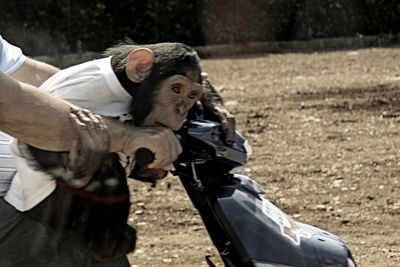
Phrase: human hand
{"type": "Point", "coordinates": [227, 120]}
{"type": "Point", "coordinates": [89, 149]}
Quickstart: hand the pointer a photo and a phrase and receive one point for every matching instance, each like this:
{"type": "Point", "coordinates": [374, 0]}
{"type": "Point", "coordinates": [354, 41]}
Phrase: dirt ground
{"type": "Point", "coordinates": [324, 128]}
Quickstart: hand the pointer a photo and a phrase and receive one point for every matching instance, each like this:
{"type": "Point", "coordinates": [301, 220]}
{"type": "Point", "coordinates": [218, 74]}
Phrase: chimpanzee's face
{"type": "Point", "coordinates": [176, 95]}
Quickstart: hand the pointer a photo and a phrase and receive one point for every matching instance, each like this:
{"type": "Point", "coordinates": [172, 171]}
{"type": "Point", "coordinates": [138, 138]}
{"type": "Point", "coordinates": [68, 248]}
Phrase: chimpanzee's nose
{"type": "Point", "coordinates": [180, 108]}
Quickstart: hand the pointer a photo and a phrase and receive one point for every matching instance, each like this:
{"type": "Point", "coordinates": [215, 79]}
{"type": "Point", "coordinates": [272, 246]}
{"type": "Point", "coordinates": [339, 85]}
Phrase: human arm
{"type": "Point", "coordinates": [34, 72]}
{"type": "Point", "coordinates": [213, 107]}
{"type": "Point", "coordinates": [43, 121]}
{"type": "Point", "coordinates": [14, 63]}
{"type": "Point", "coordinates": [33, 116]}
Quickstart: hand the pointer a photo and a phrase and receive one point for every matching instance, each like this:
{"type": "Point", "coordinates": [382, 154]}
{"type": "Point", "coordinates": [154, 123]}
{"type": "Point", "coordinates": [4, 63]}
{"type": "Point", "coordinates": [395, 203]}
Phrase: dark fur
{"type": "Point", "coordinates": [99, 213]}
{"type": "Point", "coordinates": [209, 99]}
{"type": "Point", "coordinates": [210, 96]}
{"type": "Point", "coordinates": [170, 59]}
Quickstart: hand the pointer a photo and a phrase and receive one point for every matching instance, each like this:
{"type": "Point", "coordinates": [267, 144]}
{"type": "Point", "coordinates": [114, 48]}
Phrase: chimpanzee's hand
{"type": "Point", "coordinates": [89, 149]}
{"type": "Point", "coordinates": [159, 140]}
{"type": "Point", "coordinates": [213, 104]}
{"type": "Point", "coordinates": [227, 120]}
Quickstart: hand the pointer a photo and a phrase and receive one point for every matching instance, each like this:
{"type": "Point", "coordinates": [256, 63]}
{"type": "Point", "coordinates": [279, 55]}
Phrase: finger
{"type": "Point", "coordinates": [73, 154]}
{"type": "Point", "coordinates": [74, 110]}
{"type": "Point", "coordinates": [230, 135]}
{"type": "Point", "coordinates": [101, 126]}
{"type": "Point", "coordinates": [228, 124]}
{"type": "Point", "coordinates": [101, 123]}
{"type": "Point", "coordinates": [98, 130]}
{"type": "Point", "coordinates": [76, 122]}
{"type": "Point", "coordinates": [91, 129]}
{"type": "Point", "coordinates": [224, 121]}
{"type": "Point", "coordinates": [80, 128]}
{"type": "Point", "coordinates": [91, 117]}
{"type": "Point", "coordinates": [83, 116]}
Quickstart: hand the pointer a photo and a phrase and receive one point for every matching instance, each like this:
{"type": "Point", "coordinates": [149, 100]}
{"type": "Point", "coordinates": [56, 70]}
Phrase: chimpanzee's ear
{"type": "Point", "coordinates": [140, 62]}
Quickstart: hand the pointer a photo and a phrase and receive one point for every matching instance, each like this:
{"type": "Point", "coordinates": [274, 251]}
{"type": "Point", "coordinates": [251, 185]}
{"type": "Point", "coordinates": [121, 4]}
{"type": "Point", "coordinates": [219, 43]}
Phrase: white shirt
{"type": "Point", "coordinates": [92, 85]}
{"type": "Point", "coordinates": [11, 57]}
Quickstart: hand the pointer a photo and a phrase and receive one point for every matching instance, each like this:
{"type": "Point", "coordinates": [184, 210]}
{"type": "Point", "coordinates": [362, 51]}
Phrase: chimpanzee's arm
{"type": "Point", "coordinates": [214, 110]}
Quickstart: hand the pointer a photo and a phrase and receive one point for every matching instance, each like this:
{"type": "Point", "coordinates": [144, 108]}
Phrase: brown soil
{"type": "Point", "coordinates": [324, 128]}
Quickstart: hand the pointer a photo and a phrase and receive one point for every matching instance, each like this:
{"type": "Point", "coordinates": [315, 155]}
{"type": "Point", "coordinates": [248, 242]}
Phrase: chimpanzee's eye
{"type": "Point", "coordinates": [193, 94]}
{"type": "Point", "coordinates": [176, 89]}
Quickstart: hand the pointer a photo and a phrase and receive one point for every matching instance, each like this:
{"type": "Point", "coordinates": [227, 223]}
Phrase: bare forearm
{"type": "Point", "coordinates": [34, 72]}
{"type": "Point", "coordinates": [42, 120]}
{"type": "Point", "coordinates": [33, 116]}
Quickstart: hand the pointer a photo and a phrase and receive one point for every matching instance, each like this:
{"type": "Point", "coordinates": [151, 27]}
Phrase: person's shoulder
{"type": "Point", "coordinates": [11, 57]}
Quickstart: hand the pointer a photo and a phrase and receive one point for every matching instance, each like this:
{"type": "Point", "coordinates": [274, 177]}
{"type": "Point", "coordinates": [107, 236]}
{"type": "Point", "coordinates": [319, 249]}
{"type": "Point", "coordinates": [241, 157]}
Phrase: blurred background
{"type": "Point", "coordinates": [48, 27]}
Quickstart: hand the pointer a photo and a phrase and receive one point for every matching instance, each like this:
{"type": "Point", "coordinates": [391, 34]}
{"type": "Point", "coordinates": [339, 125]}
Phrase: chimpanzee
{"type": "Point", "coordinates": [150, 86]}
